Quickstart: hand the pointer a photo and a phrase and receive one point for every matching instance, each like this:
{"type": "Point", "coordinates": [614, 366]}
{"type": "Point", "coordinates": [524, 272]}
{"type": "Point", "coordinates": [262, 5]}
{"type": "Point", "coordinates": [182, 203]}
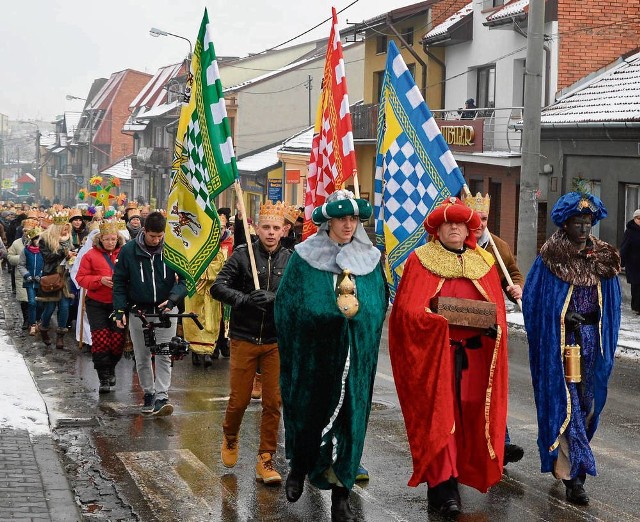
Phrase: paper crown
{"type": "Point", "coordinates": [479, 203]}
{"type": "Point", "coordinates": [75, 213]}
{"type": "Point", "coordinates": [132, 212]}
{"type": "Point", "coordinates": [33, 232]}
{"type": "Point", "coordinates": [32, 214]}
{"type": "Point", "coordinates": [109, 227]}
{"type": "Point", "coordinates": [291, 213]}
{"type": "Point", "coordinates": [29, 223]}
{"type": "Point", "coordinates": [59, 217]}
{"type": "Point", "coordinates": [132, 204]}
{"type": "Point", "coordinates": [271, 212]}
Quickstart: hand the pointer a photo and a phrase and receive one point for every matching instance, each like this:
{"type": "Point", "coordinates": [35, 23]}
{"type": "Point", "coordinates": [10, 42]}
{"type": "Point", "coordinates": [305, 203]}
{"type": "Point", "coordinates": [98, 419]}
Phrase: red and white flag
{"type": "Point", "coordinates": [333, 158]}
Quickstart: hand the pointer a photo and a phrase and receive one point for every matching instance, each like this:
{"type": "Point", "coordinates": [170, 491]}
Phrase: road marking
{"type": "Point", "coordinates": [176, 484]}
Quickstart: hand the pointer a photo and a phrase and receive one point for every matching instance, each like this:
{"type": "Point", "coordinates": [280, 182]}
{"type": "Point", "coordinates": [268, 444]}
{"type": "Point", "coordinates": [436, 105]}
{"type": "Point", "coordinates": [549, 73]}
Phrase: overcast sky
{"type": "Point", "coordinates": [52, 48]}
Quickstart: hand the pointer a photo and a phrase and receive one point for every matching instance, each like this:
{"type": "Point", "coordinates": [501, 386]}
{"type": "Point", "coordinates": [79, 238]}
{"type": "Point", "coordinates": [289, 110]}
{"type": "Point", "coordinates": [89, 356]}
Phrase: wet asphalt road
{"type": "Point", "coordinates": [125, 466]}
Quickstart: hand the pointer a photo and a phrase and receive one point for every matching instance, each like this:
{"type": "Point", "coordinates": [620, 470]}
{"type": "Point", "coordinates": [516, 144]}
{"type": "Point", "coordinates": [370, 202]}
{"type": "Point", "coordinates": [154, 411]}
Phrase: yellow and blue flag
{"type": "Point", "coordinates": [415, 170]}
{"type": "Point", "coordinates": [204, 164]}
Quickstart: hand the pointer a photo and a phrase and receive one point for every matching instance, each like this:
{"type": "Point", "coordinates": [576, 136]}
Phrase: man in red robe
{"type": "Point", "coordinates": [451, 380]}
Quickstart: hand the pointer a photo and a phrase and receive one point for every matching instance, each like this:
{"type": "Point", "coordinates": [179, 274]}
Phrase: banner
{"type": "Point", "coordinates": [333, 158]}
{"type": "Point", "coordinates": [204, 164]}
{"type": "Point", "coordinates": [415, 170]}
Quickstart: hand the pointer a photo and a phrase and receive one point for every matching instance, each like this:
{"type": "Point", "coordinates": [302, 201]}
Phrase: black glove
{"type": "Point", "coordinates": [28, 279]}
{"type": "Point", "coordinates": [168, 307]}
{"type": "Point", "coordinates": [261, 299]}
{"type": "Point", "coordinates": [573, 320]}
{"type": "Point", "coordinates": [492, 332]}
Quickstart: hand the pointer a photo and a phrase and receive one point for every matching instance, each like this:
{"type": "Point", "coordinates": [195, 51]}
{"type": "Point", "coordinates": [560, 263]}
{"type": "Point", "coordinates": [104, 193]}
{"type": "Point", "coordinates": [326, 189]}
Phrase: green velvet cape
{"type": "Point", "coordinates": [314, 340]}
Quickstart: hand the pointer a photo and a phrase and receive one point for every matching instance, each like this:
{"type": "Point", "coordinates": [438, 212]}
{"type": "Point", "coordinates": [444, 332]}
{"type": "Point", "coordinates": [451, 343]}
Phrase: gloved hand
{"type": "Point", "coordinates": [37, 278]}
{"type": "Point", "coordinates": [261, 299]}
{"type": "Point", "coordinates": [28, 279]}
{"type": "Point", "coordinates": [573, 320]}
{"type": "Point", "coordinates": [492, 332]}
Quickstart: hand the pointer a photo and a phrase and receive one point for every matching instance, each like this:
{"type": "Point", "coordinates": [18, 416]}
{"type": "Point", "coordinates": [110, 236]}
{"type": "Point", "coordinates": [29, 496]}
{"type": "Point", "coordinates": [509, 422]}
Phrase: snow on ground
{"type": "Point", "coordinates": [22, 405]}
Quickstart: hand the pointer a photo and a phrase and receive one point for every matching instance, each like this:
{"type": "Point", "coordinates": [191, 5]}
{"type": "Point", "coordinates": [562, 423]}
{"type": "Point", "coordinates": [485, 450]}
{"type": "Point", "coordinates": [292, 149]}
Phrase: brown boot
{"type": "Point", "coordinates": [256, 393]}
{"type": "Point", "coordinates": [44, 333]}
{"type": "Point", "coordinates": [60, 338]}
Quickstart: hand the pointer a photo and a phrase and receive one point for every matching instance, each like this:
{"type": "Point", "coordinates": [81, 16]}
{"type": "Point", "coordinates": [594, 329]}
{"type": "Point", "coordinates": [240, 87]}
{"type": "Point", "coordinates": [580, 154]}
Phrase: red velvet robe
{"type": "Point", "coordinates": [423, 369]}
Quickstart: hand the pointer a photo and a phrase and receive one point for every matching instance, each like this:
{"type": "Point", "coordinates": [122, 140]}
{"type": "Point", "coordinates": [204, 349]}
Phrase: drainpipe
{"type": "Point", "coordinates": [414, 54]}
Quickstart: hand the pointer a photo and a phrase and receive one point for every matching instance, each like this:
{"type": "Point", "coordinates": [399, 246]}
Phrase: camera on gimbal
{"type": "Point", "coordinates": [177, 347]}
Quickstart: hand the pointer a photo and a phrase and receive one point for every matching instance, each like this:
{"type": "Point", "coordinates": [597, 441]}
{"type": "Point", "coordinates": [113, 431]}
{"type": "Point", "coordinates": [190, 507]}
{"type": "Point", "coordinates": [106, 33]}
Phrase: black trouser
{"type": "Point", "coordinates": [635, 298]}
{"type": "Point", "coordinates": [107, 341]}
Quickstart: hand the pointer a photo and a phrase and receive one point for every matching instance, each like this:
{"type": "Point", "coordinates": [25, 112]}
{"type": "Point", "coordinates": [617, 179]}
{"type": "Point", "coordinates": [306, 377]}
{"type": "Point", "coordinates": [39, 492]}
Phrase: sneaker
{"type": "Point", "coordinates": [162, 408]}
{"type": "Point", "coordinates": [104, 387]}
{"type": "Point", "coordinates": [148, 403]}
{"type": "Point", "coordinates": [265, 472]}
{"type": "Point", "coordinates": [229, 451]}
{"type": "Point", "coordinates": [112, 378]}
{"type": "Point", "coordinates": [362, 473]}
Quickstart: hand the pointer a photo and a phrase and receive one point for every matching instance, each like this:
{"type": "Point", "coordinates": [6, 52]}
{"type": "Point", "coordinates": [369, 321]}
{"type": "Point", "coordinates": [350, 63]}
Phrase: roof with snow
{"type": "Point", "coordinates": [26, 178]}
{"type": "Point", "coordinates": [260, 161]}
{"type": "Point", "coordinates": [611, 96]}
{"type": "Point", "coordinates": [515, 9]}
{"type": "Point", "coordinates": [299, 143]}
{"type": "Point", "coordinates": [154, 93]}
{"type": "Point", "coordinates": [121, 169]}
{"type": "Point", "coordinates": [444, 30]}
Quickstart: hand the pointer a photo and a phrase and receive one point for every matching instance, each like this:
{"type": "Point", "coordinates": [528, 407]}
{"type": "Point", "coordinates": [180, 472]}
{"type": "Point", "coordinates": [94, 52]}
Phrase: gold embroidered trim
{"type": "Point", "coordinates": [562, 343]}
{"type": "Point", "coordinates": [438, 288]}
{"type": "Point", "coordinates": [472, 264]}
{"type": "Point", "coordinates": [599, 286]}
{"type": "Point", "coordinates": [487, 401]}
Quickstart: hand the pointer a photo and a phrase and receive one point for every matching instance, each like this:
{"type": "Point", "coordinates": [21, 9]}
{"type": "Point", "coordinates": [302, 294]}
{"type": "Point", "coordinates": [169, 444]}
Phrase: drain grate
{"type": "Point", "coordinates": [78, 422]}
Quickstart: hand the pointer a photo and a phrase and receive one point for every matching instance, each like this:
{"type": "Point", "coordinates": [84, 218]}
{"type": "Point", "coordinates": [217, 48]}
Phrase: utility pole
{"type": "Point", "coordinates": [308, 86]}
{"type": "Point", "coordinates": [530, 172]}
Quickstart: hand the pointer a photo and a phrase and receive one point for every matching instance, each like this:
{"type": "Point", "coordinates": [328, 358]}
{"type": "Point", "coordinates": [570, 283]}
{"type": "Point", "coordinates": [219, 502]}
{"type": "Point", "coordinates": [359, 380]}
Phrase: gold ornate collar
{"type": "Point", "coordinates": [471, 264]}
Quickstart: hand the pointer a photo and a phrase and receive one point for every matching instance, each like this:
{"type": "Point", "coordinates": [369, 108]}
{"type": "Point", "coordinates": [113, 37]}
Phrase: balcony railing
{"type": "Point", "coordinates": [499, 133]}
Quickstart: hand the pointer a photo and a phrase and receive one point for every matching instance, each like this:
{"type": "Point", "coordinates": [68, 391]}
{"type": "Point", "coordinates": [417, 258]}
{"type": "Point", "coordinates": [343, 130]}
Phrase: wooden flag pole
{"type": "Point", "coordinates": [245, 223]}
{"type": "Point", "coordinates": [356, 185]}
{"type": "Point", "coordinates": [496, 254]}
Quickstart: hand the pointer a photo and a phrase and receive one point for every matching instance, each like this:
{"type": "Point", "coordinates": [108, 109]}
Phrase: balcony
{"type": "Point", "coordinates": [495, 128]}
{"type": "Point", "coordinates": [153, 156]}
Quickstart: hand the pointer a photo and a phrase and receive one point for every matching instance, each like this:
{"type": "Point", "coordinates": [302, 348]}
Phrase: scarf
{"type": "Point", "coordinates": [33, 249]}
{"type": "Point", "coordinates": [359, 256]}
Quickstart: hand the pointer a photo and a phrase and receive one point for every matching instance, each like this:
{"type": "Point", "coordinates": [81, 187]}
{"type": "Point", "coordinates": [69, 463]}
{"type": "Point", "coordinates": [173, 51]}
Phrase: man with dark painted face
{"type": "Point", "coordinates": [571, 308]}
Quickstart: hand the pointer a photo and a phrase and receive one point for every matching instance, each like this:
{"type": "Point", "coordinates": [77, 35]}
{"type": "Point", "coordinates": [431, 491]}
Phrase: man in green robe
{"type": "Point", "coordinates": [329, 311]}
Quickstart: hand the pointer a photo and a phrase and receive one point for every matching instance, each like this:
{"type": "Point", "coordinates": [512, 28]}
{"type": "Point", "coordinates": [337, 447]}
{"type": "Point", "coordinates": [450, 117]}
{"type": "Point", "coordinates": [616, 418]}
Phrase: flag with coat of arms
{"type": "Point", "coordinates": [333, 158]}
{"type": "Point", "coordinates": [204, 164]}
{"type": "Point", "coordinates": [415, 170]}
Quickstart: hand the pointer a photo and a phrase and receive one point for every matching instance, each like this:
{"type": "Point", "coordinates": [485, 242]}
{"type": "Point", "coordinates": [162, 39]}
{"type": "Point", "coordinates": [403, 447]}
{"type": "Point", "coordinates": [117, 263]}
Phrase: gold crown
{"type": "Point", "coordinates": [271, 212]}
{"type": "Point", "coordinates": [33, 232]}
{"type": "Point", "coordinates": [291, 213]}
{"type": "Point", "coordinates": [109, 227]}
{"type": "Point", "coordinates": [479, 203]}
{"type": "Point", "coordinates": [59, 218]}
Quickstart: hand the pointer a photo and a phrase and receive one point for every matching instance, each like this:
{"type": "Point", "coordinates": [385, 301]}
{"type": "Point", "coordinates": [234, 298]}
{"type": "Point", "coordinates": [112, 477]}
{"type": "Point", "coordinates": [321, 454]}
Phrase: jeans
{"type": "Point", "coordinates": [63, 312]}
{"type": "Point", "coordinates": [245, 359]}
{"type": "Point", "coordinates": [32, 310]}
{"type": "Point", "coordinates": [160, 384]}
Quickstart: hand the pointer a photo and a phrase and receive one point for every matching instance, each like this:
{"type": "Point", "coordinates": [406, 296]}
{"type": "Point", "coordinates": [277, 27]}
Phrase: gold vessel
{"type": "Point", "coordinates": [572, 363]}
{"type": "Point", "coordinates": [347, 301]}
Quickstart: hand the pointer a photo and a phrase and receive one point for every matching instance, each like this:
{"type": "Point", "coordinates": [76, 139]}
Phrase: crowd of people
{"type": "Point", "coordinates": [302, 321]}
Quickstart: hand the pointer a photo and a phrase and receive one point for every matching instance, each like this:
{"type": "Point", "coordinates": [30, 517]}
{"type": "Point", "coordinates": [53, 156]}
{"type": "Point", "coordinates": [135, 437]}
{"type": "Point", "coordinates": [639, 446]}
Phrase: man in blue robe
{"type": "Point", "coordinates": [572, 297]}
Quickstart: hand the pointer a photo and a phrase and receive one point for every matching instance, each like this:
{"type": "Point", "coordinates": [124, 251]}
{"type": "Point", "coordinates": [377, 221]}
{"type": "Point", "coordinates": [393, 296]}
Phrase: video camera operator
{"type": "Point", "coordinates": [142, 280]}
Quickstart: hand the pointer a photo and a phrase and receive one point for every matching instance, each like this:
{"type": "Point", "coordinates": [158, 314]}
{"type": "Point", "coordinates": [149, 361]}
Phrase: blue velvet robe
{"type": "Point", "coordinates": [546, 299]}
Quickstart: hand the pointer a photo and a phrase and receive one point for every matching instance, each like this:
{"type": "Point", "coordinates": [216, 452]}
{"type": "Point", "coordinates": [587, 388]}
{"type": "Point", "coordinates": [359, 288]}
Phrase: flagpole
{"type": "Point", "coordinates": [245, 224]}
{"type": "Point", "coordinates": [496, 253]}
{"type": "Point", "coordinates": [356, 185]}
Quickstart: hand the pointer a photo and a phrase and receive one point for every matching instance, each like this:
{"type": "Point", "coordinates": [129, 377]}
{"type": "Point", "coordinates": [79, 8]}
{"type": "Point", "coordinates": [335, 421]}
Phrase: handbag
{"type": "Point", "coordinates": [52, 282]}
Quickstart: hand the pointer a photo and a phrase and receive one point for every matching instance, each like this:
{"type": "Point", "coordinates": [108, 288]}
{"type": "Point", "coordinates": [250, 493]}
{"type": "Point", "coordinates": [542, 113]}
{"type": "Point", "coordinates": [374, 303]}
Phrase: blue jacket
{"type": "Point", "coordinates": [33, 264]}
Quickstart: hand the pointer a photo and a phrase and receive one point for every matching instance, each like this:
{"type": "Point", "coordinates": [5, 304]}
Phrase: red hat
{"type": "Point", "coordinates": [453, 210]}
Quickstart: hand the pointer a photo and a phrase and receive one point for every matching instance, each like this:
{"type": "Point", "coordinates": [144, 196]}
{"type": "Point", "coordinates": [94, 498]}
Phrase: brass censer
{"type": "Point", "coordinates": [572, 363]}
{"type": "Point", "coordinates": [346, 289]}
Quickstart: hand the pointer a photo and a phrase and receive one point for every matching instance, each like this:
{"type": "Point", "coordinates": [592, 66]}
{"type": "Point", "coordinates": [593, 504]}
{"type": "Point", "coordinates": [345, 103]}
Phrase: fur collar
{"type": "Point", "coordinates": [585, 268]}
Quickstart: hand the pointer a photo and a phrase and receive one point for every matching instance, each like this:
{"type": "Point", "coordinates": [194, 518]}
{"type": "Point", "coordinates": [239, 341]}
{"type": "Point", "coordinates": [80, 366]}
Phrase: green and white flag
{"type": "Point", "coordinates": [204, 164]}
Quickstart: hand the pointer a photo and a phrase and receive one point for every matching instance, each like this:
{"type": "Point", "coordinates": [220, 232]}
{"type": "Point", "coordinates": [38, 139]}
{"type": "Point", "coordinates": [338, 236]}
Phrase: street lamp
{"type": "Point", "coordinates": [155, 32]}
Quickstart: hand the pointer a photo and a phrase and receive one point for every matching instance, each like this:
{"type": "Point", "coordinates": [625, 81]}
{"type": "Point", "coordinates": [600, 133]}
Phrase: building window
{"type": "Point", "coordinates": [486, 87]}
{"type": "Point", "coordinates": [490, 4]}
{"type": "Point", "coordinates": [407, 35]}
{"type": "Point", "coordinates": [379, 79]}
{"type": "Point", "coordinates": [381, 44]}
{"type": "Point", "coordinates": [631, 201]}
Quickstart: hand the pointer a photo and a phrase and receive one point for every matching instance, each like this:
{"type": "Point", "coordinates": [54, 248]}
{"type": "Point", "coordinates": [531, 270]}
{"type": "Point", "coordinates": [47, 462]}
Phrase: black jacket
{"type": "Point", "coordinates": [630, 252]}
{"type": "Point", "coordinates": [235, 282]}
